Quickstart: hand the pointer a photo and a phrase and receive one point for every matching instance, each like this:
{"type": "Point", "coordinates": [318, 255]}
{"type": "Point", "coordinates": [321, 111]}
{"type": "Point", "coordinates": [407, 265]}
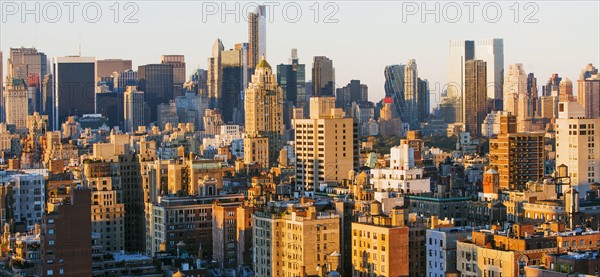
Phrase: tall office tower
{"type": "Point", "coordinates": [316, 235]}
{"type": "Point", "coordinates": [410, 105]}
{"type": "Point", "coordinates": [264, 117]}
{"type": "Point", "coordinates": [110, 105]}
{"type": "Point", "coordinates": [551, 87]}
{"type": "Point", "coordinates": [475, 96]}
{"type": "Point", "coordinates": [532, 95]}
{"type": "Point", "coordinates": [326, 145]}
{"type": "Point", "coordinates": [352, 92]}
{"type": "Point", "coordinates": [576, 136]}
{"type": "Point", "coordinates": [30, 65]}
{"type": "Point", "coordinates": [243, 48]}
{"type": "Point", "coordinates": [106, 68]}
{"type": "Point", "coordinates": [590, 96]}
{"type": "Point", "coordinates": [214, 76]}
{"type": "Point", "coordinates": [364, 93]}
{"type": "Point", "coordinates": [515, 86]}
{"type": "Point", "coordinates": [291, 78]}
{"type": "Point", "coordinates": [394, 85]}
{"type": "Point", "coordinates": [16, 103]}
{"type": "Point", "coordinates": [423, 106]}
{"type": "Point", "coordinates": [156, 81]}
{"type": "Point", "coordinates": [565, 90]}
{"type": "Point", "coordinates": [491, 51]}
{"type": "Point", "coordinates": [48, 98]}
{"type": "Point", "coordinates": [133, 109]}
{"type": "Point", "coordinates": [178, 62]}
{"type": "Point", "coordinates": [66, 237]}
{"type": "Point", "coordinates": [124, 79]}
{"type": "Point", "coordinates": [199, 80]}
{"type": "Point", "coordinates": [257, 36]}
{"type": "Point", "coordinates": [232, 86]}
{"type": "Point", "coordinates": [74, 87]}
{"type": "Point", "coordinates": [323, 77]}
{"type": "Point", "coordinates": [460, 53]}
{"type": "Point", "coordinates": [517, 157]}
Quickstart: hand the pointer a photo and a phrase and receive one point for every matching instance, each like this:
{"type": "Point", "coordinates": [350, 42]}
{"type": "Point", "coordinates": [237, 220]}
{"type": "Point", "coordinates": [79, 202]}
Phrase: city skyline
{"type": "Point", "coordinates": [542, 54]}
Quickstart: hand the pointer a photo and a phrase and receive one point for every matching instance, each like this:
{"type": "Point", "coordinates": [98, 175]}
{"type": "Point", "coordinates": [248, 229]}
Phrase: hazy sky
{"type": "Point", "coordinates": [367, 36]}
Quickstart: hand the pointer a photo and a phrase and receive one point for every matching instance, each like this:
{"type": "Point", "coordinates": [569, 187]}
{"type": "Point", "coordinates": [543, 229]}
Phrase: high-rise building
{"type": "Point", "coordinates": [66, 239]}
{"type": "Point", "coordinates": [257, 36]}
{"type": "Point", "coordinates": [460, 53]}
{"type": "Point", "coordinates": [588, 91]}
{"type": "Point", "coordinates": [551, 87]}
{"type": "Point", "coordinates": [133, 108]}
{"type": "Point", "coordinates": [323, 76]}
{"type": "Point", "coordinates": [48, 98]}
{"type": "Point", "coordinates": [491, 51]}
{"type": "Point", "coordinates": [576, 137]}
{"type": "Point", "coordinates": [297, 244]}
{"type": "Point", "coordinates": [156, 81]}
{"type": "Point", "coordinates": [291, 78]}
{"type": "Point", "coordinates": [30, 65]}
{"type": "Point", "coordinates": [232, 234]}
{"type": "Point", "coordinates": [214, 75]}
{"type": "Point", "coordinates": [110, 105]}
{"type": "Point", "coordinates": [264, 117]}
{"type": "Point", "coordinates": [515, 86]}
{"type": "Point", "coordinates": [475, 96]}
{"type": "Point", "coordinates": [326, 145]}
{"type": "Point", "coordinates": [106, 68]}
{"type": "Point", "coordinates": [232, 87]}
{"type": "Point", "coordinates": [74, 87]}
{"type": "Point", "coordinates": [565, 90]}
{"type": "Point", "coordinates": [394, 85]}
{"type": "Point", "coordinates": [352, 92]}
{"type": "Point", "coordinates": [178, 63]}
{"type": "Point", "coordinates": [517, 157]}
{"type": "Point", "coordinates": [16, 103]}
{"type": "Point", "coordinates": [532, 95]}
{"type": "Point", "coordinates": [423, 105]}
{"type": "Point", "coordinates": [410, 112]}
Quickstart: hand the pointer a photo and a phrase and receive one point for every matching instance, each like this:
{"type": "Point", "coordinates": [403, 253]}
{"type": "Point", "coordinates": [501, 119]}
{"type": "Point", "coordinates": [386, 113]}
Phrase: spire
{"type": "Point", "coordinates": [263, 63]}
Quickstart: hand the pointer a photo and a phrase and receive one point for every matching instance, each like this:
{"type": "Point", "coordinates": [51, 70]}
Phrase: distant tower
{"type": "Point", "coordinates": [323, 76]}
{"type": "Point", "coordinates": [257, 36]}
{"type": "Point", "coordinates": [134, 109]}
{"type": "Point", "coordinates": [515, 85]}
{"type": "Point", "coordinates": [565, 90]}
{"type": "Point", "coordinates": [16, 103]}
{"type": "Point", "coordinates": [475, 99]}
{"type": "Point", "coordinates": [214, 75]}
{"type": "Point", "coordinates": [410, 106]}
{"type": "Point", "coordinates": [74, 87]}
{"type": "Point", "coordinates": [264, 117]}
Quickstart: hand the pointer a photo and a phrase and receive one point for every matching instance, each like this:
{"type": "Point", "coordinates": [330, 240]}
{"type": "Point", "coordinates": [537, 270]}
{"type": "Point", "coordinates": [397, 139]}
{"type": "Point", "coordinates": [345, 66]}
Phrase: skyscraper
{"type": "Point", "coordinates": [178, 62]}
{"type": "Point", "coordinates": [2, 112]}
{"type": "Point", "coordinates": [257, 36]}
{"type": "Point", "coordinates": [423, 107]}
{"type": "Point", "coordinates": [16, 103]}
{"type": "Point", "coordinates": [551, 87]}
{"type": "Point", "coordinates": [575, 145]}
{"type": "Point", "coordinates": [110, 105]}
{"type": "Point", "coordinates": [475, 99]}
{"type": "Point", "coordinates": [323, 77]}
{"type": "Point", "coordinates": [491, 51]}
{"type": "Point", "coordinates": [352, 92]}
{"type": "Point", "coordinates": [291, 78]}
{"type": "Point", "coordinates": [213, 78]}
{"type": "Point", "coordinates": [326, 145]}
{"type": "Point", "coordinates": [515, 86]}
{"type": "Point", "coordinates": [133, 109]}
{"type": "Point", "coordinates": [460, 52]}
{"type": "Point", "coordinates": [30, 65]}
{"type": "Point", "coordinates": [264, 117]}
{"type": "Point", "coordinates": [394, 85]}
{"type": "Point", "coordinates": [106, 68]}
{"type": "Point", "coordinates": [565, 90]}
{"type": "Point", "coordinates": [532, 95]}
{"type": "Point", "coordinates": [156, 81]}
{"type": "Point", "coordinates": [410, 105]}
{"type": "Point", "coordinates": [232, 74]}
{"type": "Point", "coordinates": [75, 87]}
{"type": "Point", "coordinates": [588, 91]}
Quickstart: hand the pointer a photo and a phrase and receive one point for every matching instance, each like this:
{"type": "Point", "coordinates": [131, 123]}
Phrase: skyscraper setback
{"type": "Point", "coordinates": [257, 36]}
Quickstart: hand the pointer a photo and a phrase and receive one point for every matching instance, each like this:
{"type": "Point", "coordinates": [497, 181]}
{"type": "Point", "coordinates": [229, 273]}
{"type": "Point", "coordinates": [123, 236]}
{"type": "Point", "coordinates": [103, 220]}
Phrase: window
{"type": "Point", "coordinates": [51, 242]}
{"type": "Point", "coordinates": [49, 272]}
